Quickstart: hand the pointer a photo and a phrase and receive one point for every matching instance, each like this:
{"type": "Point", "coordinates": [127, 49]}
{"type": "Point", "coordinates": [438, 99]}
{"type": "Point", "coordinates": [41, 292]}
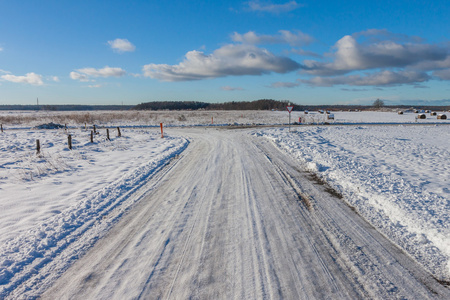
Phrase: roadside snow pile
{"type": "Point", "coordinates": [49, 200]}
{"type": "Point", "coordinates": [50, 125]}
{"type": "Point", "coordinates": [397, 177]}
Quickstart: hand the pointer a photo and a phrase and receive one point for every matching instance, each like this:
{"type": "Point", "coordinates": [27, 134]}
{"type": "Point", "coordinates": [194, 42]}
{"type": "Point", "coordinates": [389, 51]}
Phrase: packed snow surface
{"type": "Point", "coordinates": [397, 177]}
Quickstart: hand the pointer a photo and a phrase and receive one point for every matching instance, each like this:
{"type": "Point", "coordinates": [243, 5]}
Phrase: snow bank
{"type": "Point", "coordinates": [49, 199]}
{"type": "Point", "coordinates": [397, 177]}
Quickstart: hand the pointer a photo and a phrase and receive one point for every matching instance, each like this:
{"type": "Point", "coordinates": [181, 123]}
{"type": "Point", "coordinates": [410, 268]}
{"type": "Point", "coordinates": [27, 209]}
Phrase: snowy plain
{"type": "Point", "coordinates": [393, 169]}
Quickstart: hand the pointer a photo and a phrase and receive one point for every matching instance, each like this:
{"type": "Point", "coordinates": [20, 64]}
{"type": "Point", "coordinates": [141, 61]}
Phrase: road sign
{"type": "Point", "coordinates": [290, 108]}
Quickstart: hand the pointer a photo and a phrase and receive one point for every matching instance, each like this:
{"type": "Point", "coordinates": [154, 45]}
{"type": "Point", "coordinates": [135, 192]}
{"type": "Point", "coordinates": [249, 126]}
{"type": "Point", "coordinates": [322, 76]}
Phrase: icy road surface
{"type": "Point", "coordinates": [234, 218]}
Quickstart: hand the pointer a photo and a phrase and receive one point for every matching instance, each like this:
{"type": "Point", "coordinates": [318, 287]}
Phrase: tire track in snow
{"type": "Point", "coordinates": [226, 223]}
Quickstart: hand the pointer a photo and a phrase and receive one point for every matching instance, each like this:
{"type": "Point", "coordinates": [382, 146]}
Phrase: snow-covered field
{"type": "Point", "coordinates": [27, 119]}
{"type": "Point", "coordinates": [48, 199]}
{"type": "Point", "coordinates": [395, 175]}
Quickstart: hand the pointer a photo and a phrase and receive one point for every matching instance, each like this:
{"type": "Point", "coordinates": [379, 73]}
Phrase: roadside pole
{"type": "Point", "coordinates": [289, 108]}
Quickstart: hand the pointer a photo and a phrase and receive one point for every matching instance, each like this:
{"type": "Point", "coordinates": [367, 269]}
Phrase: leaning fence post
{"type": "Point", "coordinates": [38, 147]}
{"type": "Point", "coordinates": [92, 136]}
{"type": "Point", "coordinates": [118, 132]}
{"type": "Point", "coordinates": [1, 126]}
{"type": "Point", "coordinates": [69, 141]}
{"type": "Point", "coordinates": [107, 134]}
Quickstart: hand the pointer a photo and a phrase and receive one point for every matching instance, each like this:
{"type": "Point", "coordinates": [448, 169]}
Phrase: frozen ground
{"type": "Point", "coordinates": [396, 176]}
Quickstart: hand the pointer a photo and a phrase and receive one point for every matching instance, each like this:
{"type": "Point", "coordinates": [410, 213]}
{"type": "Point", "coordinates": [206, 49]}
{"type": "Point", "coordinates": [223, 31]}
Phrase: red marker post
{"type": "Point", "coordinates": [289, 109]}
{"type": "Point", "coordinates": [162, 134]}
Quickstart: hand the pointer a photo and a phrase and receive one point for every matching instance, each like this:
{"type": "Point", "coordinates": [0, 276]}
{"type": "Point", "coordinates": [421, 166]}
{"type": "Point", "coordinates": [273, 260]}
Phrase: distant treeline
{"type": "Point", "coordinates": [262, 104]}
{"type": "Point", "coordinates": [172, 105]}
{"type": "Point", "coordinates": [67, 107]}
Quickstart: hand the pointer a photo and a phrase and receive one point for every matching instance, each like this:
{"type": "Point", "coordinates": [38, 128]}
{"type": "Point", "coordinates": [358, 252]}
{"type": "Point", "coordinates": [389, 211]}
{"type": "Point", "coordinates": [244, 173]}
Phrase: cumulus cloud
{"type": "Point", "coordinates": [351, 56]}
{"type": "Point", "coordinates": [29, 78]}
{"type": "Point", "coordinates": [230, 88]}
{"type": "Point", "coordinates": [296, 38]}
{"type": "Point", "coordinates": [78, 76]}
{"type": "Point", "coordinates": [226, 61]}
{"type": "Point", "coordinates": [85, 73]}
{"type": "Point", "coordinates": [434, 64]}
{"type": "Point", "coordinates": [273, 8]}
{"type": "Point", "coordinates": [122, 45]}
{"type": "Point", "coordinates": [387, 59]}
{"type": "Point", "coordinates": [382, 78]}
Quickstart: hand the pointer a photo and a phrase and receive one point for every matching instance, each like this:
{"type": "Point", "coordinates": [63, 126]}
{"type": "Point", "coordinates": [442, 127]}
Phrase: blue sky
{"type": "Point", "coordinates": [309, 52]}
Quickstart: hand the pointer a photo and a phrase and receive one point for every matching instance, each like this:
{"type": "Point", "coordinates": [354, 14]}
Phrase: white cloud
{"type": "Point", "coordinates": [1, 49]}
{"type": "Point", "coordinates": [434, 64]}
{"type": "Point", "coordinates": [94, 86]}
{"type": "Point", "coordinates": [352, 56]}
{"type": "Point", "coordinates": [122, 45]}
{"type": "Point", "coordinates": [296, 38]}
{"type": "Point", "coordinates": [229, 60]}
{"type": "Point", "coordinates": [29, 78]}
{"type": "Point", "coordinates": [85, 73]}
{"type": "Point", "coordinates": [104, 72]}
{"type": "Point", "coordinates": [229, 88]}
{"type": "Point", "coordinates": [273, 8]}
{"type": "Point", "coordinates": [78, 76]}
{"type": "Point", "coordinates": [382, 78]}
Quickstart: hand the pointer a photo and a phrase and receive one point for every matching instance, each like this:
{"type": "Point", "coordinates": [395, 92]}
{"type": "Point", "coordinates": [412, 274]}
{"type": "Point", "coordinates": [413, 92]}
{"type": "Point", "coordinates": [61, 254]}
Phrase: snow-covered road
{"type": "Point", "coordinates": [234, 218]}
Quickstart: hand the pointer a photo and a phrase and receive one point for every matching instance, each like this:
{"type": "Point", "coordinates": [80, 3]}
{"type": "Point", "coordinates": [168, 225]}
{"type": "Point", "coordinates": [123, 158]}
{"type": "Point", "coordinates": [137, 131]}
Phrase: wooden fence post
{"type": "Point", "coordinates": [1, 125]}
{"type": "Point", "coordinates": [162, 133]}
{"type": "Point", "coordinates": [118, 132]}
{"type": "Point", "coordinates": [69, 141]}
{"type": "Point", "coordinates": [107, 134]}
{"type": "Point", "coordinates": [38, 147]}
{"type": "Point", "coordinates": [94, 129]}
{"type": "Point", "coordinates": [92, 136]}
